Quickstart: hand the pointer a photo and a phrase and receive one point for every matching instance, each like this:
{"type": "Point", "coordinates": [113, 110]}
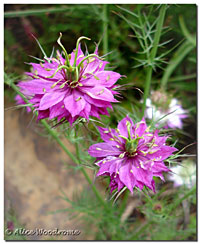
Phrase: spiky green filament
{"type": "Point", "coordinates": [97, 78]}
{"type": "Point", "coordinates": [128, 125]}
{"type": "Point", "coordinates": [55, 83]}
{"type": "Point", "coordinates": [64, 50]}
{"type": "Point", "coordinates": [77, 43]}
{"type": "Point", "coordinates": [59, 68]}
{"type": "Point", "coordinates": [72, 72]}
{"type": "Point", "coordinates": [89, 56]}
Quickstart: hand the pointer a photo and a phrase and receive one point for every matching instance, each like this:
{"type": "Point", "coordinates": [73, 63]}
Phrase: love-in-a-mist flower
{"type": "Point", "coordinates": [70, 86]}
{"type": "Point", "coordinates": [131, 155]}
{"type": "Point", "coordinates": [160, 104]}
{"type": "Point", "coordinates": [184, 174]}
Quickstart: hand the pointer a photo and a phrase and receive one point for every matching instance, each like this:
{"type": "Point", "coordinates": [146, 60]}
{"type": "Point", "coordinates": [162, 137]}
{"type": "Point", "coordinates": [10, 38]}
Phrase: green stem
{"type": "Point", "coordinates": [183, 50]}
{"type": "Point", "coordinates": [86, 175]}
{"type": "Point", "coordinates": [56, 137]}
{"type": "Point", "coordinates": [124, 201]}
{"type": "Point", "coordinates": [185, 31]}
{"type": "Point", "coordinates": [182, 77]}
{"type": "Point", "coordinates": [89, 56]}
{"type": "Point", "coordinates": [14, 14]}
{"type": "Point", "coordinates": [77, 161]}
{"type": "Point", "coordinates": [147, 88]}
{"type": "Point", "coordinates": [159, 26]}
{"type": "Point", "coordinates": [143, 31]}
{"type": "Point", "coordinates": [105, 28]}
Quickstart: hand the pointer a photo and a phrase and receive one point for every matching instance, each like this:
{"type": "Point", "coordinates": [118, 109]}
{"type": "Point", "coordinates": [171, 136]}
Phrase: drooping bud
{"type": "Point", "coordinates": [160, 99]}
{"type": "Point", "coordinates": [157, 207]}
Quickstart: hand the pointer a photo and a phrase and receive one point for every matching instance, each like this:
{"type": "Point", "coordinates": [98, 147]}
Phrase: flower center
{"type": "Point", "coordinates": [131, 146]}
{"type": "Point", "coordinates": [131, 143]}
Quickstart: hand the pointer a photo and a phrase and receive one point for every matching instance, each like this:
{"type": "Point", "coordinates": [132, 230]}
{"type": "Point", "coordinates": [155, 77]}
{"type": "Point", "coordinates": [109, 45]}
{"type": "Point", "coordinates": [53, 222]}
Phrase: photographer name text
{"type": "Point", "coordinates": [40, 232]}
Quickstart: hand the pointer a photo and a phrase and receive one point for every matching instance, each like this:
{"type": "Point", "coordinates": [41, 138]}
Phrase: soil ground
{"type": "Point", "coordinates": [35, 175]}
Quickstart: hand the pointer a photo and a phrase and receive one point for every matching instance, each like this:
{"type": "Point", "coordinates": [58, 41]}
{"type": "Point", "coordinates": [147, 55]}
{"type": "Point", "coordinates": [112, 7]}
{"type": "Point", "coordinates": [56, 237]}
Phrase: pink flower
{"type": "Point", "coordinates": [131, 155]}
{"type": "Point", "coordinates": [70, 87]}
{"type": "Point", "coordinates": [166, 110]}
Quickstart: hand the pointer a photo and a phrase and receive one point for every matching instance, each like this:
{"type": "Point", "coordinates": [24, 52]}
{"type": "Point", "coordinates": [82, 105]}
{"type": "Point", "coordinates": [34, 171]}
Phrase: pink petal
{"type": "Point", "coordinates": [103, 150]}
{"type": "Point", "coordinates": [107, 136]}
{"type": "Point", "coordinates": [106, 78]}
{"type": "Point", "coordinates": [127, 177]}
{"type": "Point", "coordinates": [140, 128]}
{"type": "Point", "coordinates": [36, 86]}
{"type": "Point", "coordinates": [100, 93]}
{"type": "Point", "coordinates": [75, 103]}
{"type": "Point", "coordinates": [43, 114]}
{"type": "Point", "coordinates": [144, 176]}
{"type": "Point", "coordinates": [122, 126]}
{"type": "Point", "coordinates": [50, 99]}
{"type": "Point", "coordinates": [86, 111]}
{"type": "Point", "coordinates": [56, 110]}
{"type": "Point", "coordinates": [96, 102]}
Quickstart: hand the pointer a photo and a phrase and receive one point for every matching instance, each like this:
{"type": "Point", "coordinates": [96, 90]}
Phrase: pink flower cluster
{"type": "Point", "coordinates": [76, 85]}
